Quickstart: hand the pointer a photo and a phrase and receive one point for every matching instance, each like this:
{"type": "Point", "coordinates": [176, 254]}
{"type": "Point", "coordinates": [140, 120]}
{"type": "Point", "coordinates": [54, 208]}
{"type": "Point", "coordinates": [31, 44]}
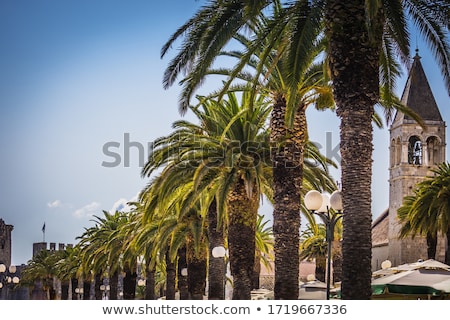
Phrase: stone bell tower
{"type": "Point", "coordinates": [5, 243]}
{"type": "Point", "coordinates": [414, 150]}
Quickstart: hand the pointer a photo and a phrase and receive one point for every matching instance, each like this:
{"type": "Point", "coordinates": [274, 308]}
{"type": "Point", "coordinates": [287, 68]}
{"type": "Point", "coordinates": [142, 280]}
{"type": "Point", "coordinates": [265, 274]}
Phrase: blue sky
{"type": "Point", "coordinates": [79, 76]}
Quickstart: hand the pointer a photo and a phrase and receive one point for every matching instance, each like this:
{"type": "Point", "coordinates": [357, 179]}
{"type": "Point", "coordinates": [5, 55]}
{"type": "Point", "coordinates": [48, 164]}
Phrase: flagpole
{"type": "Point", "coordinates": [43, 233]}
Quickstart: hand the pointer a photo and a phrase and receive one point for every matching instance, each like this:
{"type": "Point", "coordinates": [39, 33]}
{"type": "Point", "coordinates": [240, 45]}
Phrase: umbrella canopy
{"type": "Point", "coordinates": [421, 278]}
{"type": "Point", "coordinates": [427, 264]}
{"type": "Point", "coordinates": [426, 281]}
{"type": "Point", "coordinates": [313, 290]}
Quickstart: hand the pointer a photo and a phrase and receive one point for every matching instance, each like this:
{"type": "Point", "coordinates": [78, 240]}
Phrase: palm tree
{"type": "Point", "coordinates": [415, 223]}
{"type": "Point", "coordinates": [216, 265]}
{"type": "Point", "coordinates": [427, 211]}
{"type": "Point", "coordinates": [66, 270]}
{"type": "Point", "coordinates": [355, 67]}
{"type": "Point", "coordinates": [89, 252]}
{"type": "Point", "coordinates": [171, 203]}
{"type": "Point", "coordinates": [229, 160]}
{"type": "Point", "coordinates": [288, 140]}
{"type": "Point", "coordinates": [264, 249]}
{"type": "Point", "coordinates": [123, 242]}
{"type": "Point", "coordinates": [201, 158]}
{"type": "Point", "coordinates": [101, 248]}
{"type": "Point", "coordinates": [362, 36]}
{"type": "Point", "coordinates": [144, 242]}
{"type": "Point", "coordinates": [187, 234]}
{"type": "Point", "coordinates": [41, 270]}
{"type": "Point", "coordinates": [314, 246]}
{"type": "Point", "coordinates": [272, 76]}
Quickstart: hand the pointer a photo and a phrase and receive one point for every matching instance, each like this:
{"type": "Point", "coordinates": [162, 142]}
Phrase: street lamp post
{"type": "Point", "coordinates": [320, 204]}
{"type": "Point", "coordinates": [8, 278]}
{"type": "Point", "coordinates": [105, 290]}
{"type": "Point", "coordinates": [141, 288]}
{"type": "Point", "coordinates": [79, 291]}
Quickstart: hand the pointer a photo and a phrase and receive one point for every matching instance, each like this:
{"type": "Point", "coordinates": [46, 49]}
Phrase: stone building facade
{"type": "Point", "coordinates": [414, 150]}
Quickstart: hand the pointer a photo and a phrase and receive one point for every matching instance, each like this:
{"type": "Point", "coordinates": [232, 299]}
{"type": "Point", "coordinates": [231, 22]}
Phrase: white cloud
{"type": "Point", "coordinates": [119, 205]}
{"type": "Point", "coordinates": [87, 210]}
{"type": "Point", "coordinates": [122, 204]}
{"type": "Point", "coordinates": [54, 204]}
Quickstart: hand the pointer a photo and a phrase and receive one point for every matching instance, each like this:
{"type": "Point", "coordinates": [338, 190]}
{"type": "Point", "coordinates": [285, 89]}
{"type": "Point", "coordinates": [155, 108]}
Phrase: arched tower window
{"type": "Point", "coordinates": [393, 152]}
{"type": "Point", "coordinates": [434, 156]}
{"type": "Point", "coordinates": [414, 151]}
{"type": "Point", "coordinates": [398, 152]}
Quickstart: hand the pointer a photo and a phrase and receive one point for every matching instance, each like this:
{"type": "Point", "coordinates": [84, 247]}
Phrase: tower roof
{"type": "Point", "coordinates": [417, 94]}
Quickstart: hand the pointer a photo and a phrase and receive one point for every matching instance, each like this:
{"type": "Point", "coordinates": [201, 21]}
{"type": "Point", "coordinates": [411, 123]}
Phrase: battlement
{"type": "Point", "coordinates": [39, 246]}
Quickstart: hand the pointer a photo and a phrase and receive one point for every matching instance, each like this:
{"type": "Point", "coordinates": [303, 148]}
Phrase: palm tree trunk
{"type": "Point", "coordinates": [170, 277]}
{"type": "Point", "coordinates": [150, 283]}
{"type": "Point", "coordinates": [129, 284]}
{"type": "Point", "coordinates": [182, 280]}
{"type": "Point", "coordinates": [256, 270]}
{"type": "Point", "coordinates": [74, 282]}
{"type": "Point", "coordinates": [216, 266]}
{"type": "Point", "coordinates": [337, 261]}
{"type": "Point", "coordinates": [321, 266]}
{"type": "Point", "coordinates": [196, 273]}
{"type": "Point", "coordinates": [242, 213]}
{"type": "Point", "coordinates": [431, 245]}
{"type": "Point", "coordinates": [114, 285]}
{"type": "Point", "coordinates": [354, 60]}
{"type": "Point", "coordinates": [86, 290]}
{"type": "Point", "coordinates": [447, 251]}
{"type": "Point", "coordinates": [65, 290]}
{"type": "Point", "coordinates": [97, 283]}
{"type": "Point", "coordinates": [287, 146]}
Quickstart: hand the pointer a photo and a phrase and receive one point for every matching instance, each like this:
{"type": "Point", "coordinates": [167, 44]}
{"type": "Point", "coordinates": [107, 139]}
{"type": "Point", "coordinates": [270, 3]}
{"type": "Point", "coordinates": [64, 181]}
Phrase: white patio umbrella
{"type": "Point", "coordinates": [313, 290]}
{"type": "Point", "coordinates": [430, 277]}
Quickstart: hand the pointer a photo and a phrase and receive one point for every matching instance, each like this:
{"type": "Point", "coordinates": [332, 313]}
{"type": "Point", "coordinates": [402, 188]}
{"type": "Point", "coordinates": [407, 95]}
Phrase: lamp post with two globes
{"type": "Point", "coordinates": [105, 291]}
{"type": "Point", "coordinates": [8, 279]}
{"type": "Point", "coordinates": [320, 204]}
{"type": "Point", "coordinates": [79, 291]}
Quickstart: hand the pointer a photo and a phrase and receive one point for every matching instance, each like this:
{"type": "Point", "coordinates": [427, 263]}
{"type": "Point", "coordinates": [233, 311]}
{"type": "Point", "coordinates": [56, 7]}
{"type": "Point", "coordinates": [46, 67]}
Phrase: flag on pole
{"type": "Point", "coordinates": [43, 227]}
{"type": "Point", "coordinates": [43, 233]}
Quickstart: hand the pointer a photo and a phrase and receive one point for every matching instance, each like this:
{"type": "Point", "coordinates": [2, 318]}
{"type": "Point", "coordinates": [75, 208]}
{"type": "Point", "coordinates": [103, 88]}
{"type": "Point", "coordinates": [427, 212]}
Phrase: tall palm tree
{"type": "Point", "coordinates": [101, 248]}
{"type": "Point", "coordinates": [273, 75]}
{"type": "Point", "coordinates": [41, 270]}
{"type": "Point", "coordinates": [229, 159]}
{"type": "Point", "coordinates": [144, 242]}
{"type": "Point", "coordinates": [89, 252]}
{"type": "Point", "coordinates": [187, 234]}
{"type": "Point", "coordinates": [67, 268]}
{"type": "Point", "coordinates": [362, 36]}
{"type": "Point", "coordinates": [288, 139]}
{"type": "Point", "coordinates": [359, 33]}
{"type": "Point", "coordinates": [153, 203]}
{"type": "Point", "coordinates": [206, 161]}
{"type": "Point", "coordinates": [427, 211]}
{"type": "Point", "coordinates": [122, 240]}
{"type": "Point", "coordinates": [172, 203]}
